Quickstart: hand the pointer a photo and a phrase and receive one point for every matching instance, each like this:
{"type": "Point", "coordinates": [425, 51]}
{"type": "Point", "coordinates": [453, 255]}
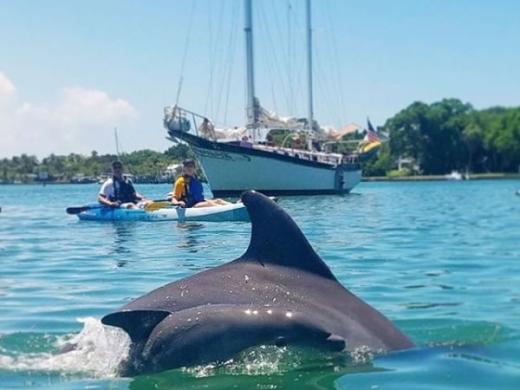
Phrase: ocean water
{"type": "Point", "coordinates": [440, 259]}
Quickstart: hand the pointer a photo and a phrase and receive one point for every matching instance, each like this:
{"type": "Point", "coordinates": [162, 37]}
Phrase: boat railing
{"type": "Point", "coordinates": [316, 156]}
{"type": "Point", "coordinates": [179, 119]}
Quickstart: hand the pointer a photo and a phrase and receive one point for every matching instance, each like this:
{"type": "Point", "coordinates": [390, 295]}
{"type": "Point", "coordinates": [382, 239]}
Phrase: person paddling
{"type": "Point", "coordinates": [188, 191]}
{"type": "Point", "coordinates": [119, 191]}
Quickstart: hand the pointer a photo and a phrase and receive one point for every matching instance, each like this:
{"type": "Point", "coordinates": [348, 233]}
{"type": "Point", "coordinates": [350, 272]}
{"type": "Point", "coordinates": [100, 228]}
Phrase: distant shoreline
{"type": "Point", "coordinates": [476, 176]}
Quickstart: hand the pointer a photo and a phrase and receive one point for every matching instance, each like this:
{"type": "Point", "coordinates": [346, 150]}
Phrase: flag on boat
{"type": "Point", "coordinates": [371, 135]}
{"type": "Point", "coordinates": [371, 143]}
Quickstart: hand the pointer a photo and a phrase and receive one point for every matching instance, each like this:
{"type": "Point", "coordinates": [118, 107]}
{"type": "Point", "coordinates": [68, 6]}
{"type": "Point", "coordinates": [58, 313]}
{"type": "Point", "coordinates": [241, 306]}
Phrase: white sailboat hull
{"type": "Point", "coordinates": [234, 172]}
{"type": "Point", "coordinates": [231, 169]}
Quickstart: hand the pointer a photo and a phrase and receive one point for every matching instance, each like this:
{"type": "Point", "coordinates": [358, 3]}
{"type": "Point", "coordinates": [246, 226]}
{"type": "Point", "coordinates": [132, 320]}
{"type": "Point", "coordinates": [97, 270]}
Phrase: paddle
{"type": "Point", "coordinates": [158, 204]}
{"type": "Point", "coordinates": [80, 209]}
{"type": "Point", "coordinates": [181, 214]}
{"type": "Point", "coordinates": [161, 204]}
{"type": "Point", "coordinates": [154, 205]}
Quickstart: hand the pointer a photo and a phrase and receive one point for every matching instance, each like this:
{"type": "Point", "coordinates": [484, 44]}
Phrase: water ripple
{"type": "Point", "coordinates": [442, 260]}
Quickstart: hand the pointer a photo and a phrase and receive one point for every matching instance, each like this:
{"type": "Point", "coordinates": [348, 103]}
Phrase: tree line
{"type": "Point", "coordinates": [450, 135]}
{"type": "Point", "coordinates": [147, 165]}
{"type": "Point", "coordinates": [439, 138]}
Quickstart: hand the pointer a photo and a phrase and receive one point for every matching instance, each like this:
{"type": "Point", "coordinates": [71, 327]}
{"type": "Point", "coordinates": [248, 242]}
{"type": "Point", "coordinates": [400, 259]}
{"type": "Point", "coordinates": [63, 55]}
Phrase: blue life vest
{"type": "Point", "coordinates": [193, 191]}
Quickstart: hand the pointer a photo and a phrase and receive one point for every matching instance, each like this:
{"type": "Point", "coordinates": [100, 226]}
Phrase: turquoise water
{"type": "Point", "coordinates": [441, 259]}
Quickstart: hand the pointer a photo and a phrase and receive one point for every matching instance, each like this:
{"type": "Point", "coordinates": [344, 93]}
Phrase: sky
{"type": "Point", "coordinates": [72, 71]}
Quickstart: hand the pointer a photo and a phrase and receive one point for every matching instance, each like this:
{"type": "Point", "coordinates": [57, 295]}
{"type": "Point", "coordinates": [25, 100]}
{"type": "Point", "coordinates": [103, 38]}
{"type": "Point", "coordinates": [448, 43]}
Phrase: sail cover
{"type": "Point", "coordinates": [271, 119]}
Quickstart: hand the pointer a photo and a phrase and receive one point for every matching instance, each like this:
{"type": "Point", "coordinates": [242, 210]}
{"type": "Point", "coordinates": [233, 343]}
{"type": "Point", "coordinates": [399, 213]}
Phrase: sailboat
{"type": "Point", "coordinates": [249, 159]}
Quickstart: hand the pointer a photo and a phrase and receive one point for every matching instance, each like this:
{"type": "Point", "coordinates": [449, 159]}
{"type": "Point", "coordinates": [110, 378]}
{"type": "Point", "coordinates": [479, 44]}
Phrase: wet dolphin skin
{"type": "Point", "coordinates": [278, 292]}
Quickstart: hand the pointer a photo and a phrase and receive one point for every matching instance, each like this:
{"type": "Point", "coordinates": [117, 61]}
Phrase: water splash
{"type": "Point", "coordinates": [362, 355]}
{"type": "Point", "coordinates": [260, 360]}
{"type": "Point", "coordinates": [98, 351]}
{"type": "Point", "coordinates": [270, 360]}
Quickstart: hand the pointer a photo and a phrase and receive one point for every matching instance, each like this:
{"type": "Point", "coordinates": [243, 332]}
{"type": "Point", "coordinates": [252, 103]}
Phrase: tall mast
{"type": "Point", "coordinates": [248, 29]}
{"type": "Point", "coordinates": [117, 141]}
{"type": "Point", "coordinates": [310, 113]}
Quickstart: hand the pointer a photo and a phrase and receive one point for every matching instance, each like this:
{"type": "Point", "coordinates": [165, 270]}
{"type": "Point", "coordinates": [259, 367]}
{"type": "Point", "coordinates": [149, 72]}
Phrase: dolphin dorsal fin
{"type": "Point", "coordinates": [276, 239]}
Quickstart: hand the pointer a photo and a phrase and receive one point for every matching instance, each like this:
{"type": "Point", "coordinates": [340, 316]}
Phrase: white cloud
{"type": "Point", "coordinates": [6, 86]}
{"type": "Point", "coordinates": [78, 121]}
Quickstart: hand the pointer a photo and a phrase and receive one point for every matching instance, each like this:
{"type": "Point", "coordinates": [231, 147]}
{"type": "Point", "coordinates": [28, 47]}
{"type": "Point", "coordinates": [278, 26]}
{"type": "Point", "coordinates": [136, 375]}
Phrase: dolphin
{"type": "Point", "coordinates": [279, 292]}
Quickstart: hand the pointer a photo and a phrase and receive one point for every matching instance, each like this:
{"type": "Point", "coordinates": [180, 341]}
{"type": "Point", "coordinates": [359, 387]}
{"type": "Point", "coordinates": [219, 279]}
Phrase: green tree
{"type": "Point", "coordinates": [431, 134]}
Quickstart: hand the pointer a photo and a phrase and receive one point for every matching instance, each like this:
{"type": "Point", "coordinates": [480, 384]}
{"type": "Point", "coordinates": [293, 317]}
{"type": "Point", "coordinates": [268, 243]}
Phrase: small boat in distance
{"type": "Point", "coordinates": [454, 175]}
{"type": "Point", "coordinates": [250, 157]}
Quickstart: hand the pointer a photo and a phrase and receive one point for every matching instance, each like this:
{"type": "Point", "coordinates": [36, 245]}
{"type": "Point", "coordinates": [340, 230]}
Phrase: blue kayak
{"type": "Point", "coordinates": [227, 213]}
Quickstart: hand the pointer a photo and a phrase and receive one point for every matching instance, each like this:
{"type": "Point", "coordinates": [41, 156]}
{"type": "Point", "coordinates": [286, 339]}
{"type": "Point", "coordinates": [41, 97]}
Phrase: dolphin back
{"type": "Point", "coordinates": [278, 292]}
{"type": "Point", "coordinates": [217, 332]}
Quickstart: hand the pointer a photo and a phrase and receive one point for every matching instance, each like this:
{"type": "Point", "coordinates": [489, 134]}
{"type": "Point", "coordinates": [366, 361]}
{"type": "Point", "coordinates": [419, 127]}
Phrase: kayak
{"type": "Point", "coordinates": [227, 213]}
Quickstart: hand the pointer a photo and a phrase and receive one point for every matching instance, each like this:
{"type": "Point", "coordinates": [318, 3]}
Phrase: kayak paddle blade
{"type": "Point", "coordinates": [77, 210]}
{"type": "Point", "coordinates": [157, 205]}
